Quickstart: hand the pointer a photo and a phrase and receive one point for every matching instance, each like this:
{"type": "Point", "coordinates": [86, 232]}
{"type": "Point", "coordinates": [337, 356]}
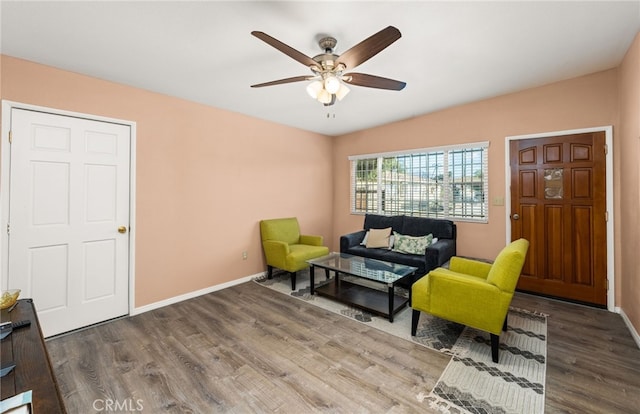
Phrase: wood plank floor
{"type": "Point", "coordinates": [593, 363]}
{"type": "Point", "coordinates": [250, 349]}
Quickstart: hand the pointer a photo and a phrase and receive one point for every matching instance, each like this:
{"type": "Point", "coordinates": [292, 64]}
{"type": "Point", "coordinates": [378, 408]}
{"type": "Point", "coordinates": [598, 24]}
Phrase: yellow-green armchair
{"type": "Point", "coordinates": [472, 293]}
{"type": "Point", "coordinates": [287, 249]}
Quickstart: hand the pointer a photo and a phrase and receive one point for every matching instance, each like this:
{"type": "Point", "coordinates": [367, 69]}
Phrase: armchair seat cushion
{"type": "Point", "coordinates": [459, 298]}
{"type": "Point", "coordinates": [300, 253]}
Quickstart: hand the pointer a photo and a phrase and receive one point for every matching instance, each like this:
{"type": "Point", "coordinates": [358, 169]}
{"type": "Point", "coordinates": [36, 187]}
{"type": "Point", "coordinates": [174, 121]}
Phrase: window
{"type": "Point", "coordinates": [444, 182]}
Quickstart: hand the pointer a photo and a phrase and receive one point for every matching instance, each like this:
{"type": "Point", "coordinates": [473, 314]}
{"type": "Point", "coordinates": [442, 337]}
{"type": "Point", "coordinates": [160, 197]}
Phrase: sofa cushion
{"type": "Point", "coordinates": [419, 226]}
{"type": "Point", "coordinates": [364, 252]}
{"type": "Point", "coordinates": [411, 244]}
{"type": "Point", "coordinates": [373, 221]}
{"type": "Point", "coordinates": [378, 238]}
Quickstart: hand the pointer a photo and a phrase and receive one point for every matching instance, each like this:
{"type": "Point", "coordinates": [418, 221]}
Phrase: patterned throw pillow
{"type": "Point", "coordinates": [411, 244]}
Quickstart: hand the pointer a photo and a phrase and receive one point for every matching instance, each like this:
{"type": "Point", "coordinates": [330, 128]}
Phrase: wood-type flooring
{"type": "Point", "coordinates": [248, 349]}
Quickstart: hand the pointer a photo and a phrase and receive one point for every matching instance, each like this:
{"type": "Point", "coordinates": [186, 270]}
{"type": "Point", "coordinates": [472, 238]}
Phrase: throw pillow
{"type": "Point", "coordinates": [366, 236]}
{"type": "Point", "coordinates": [411, 244]}
{"type": "Point", "coordinates": [378, 238]}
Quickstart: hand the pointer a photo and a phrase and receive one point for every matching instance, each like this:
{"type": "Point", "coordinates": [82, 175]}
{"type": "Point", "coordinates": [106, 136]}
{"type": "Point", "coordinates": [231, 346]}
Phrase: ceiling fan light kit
{"type": "Point", "coordinates": [328, 82]}
{"type": "Point", "coordinates": [322, 91]}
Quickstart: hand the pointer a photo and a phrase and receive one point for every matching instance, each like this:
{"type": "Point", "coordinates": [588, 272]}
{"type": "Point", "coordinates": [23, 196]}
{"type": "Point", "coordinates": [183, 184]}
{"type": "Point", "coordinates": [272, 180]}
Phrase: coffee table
{"type": "Point", "coordinates": [382, 303]}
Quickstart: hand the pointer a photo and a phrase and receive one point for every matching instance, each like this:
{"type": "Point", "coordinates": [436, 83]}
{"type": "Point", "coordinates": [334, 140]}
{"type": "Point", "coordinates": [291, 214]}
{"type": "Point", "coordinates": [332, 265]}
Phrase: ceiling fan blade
{"type": "Point", "coordinates": [287, 50]}
{"type": "Point", "coordinates": [371, 81]}
{"type": "Point", "coordinates": [281, 81]}
{"type": "Point", "coordinates": [369, 47]}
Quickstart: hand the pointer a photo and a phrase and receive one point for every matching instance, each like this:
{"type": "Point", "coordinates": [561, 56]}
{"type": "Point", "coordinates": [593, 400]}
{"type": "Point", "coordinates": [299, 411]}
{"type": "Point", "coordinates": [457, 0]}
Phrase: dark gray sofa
{"type": "Point", "coordinates": [435, 255]}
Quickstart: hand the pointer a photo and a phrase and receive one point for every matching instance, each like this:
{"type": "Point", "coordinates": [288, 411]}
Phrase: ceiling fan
{"type": "Point", "coordinates": [330, 70]}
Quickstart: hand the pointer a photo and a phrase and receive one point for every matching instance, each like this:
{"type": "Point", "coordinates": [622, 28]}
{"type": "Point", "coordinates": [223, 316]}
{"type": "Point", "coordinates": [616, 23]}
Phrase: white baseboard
{"type": "Point", "coordinates": [632, 329]}
{"type": "Point", "coordinates": [191, 295]}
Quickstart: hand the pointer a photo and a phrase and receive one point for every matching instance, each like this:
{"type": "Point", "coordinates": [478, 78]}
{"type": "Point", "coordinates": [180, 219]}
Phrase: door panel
{"type": "Point", "coordinates": [554, 248]}
{"type": "Point", "coordinates": [559, 204]}
{"type": "Point", "coordinates": [99, 272]}
{"type": "Point", "coordinates": [69, 193]}
{"type": "Point", "coordinates": [50, 197]}
{"type": "Point", "coordinates": [47, 276]}
{"type": "Point", "coordinates": [527, 229]}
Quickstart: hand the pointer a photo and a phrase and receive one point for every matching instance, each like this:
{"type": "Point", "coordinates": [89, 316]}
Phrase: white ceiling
{"type": "Point", "coordinates": [450, 52]}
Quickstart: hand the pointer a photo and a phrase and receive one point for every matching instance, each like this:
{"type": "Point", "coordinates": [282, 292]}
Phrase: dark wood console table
{"type": "Point", "coordinates": [26, 348]}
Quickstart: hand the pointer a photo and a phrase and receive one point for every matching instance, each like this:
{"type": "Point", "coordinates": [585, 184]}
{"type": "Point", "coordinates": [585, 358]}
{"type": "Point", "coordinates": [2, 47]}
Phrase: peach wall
{"type": "Point", "coordinates": [583, 102]}
{"type": "Point", "coordinates": [205, 177]}
{"type": "Point", "coordinates": [630, 183]}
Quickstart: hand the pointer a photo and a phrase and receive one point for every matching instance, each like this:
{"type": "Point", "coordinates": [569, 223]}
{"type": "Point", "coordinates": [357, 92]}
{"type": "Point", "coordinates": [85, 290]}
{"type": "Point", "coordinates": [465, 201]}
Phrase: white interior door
{"type": "Point", "coordinates": [69, 197]}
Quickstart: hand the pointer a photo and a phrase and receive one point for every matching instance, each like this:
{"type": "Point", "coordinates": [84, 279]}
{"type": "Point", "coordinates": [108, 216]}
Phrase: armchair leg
{"type": "Point", "coordinates": [293, 280]}
{"type": "Point", "coordinates": [504, 326]}
{"type": "Point", "coordinates": [269, 272]}
{"type": "Point", "coordinates": [415, 318]}
{"type": "Point", "coordinates": [495, 347]}
{"type": "Point", "coordinates": [326, 273]}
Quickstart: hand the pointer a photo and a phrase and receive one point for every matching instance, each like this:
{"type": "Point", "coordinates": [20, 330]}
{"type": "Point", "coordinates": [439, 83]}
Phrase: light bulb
{"type": "Point", "coordinates": [342, 92]}
{"type": "Point", "coordinates": [324, 96]}
{"type": "Point", "coordinates": [314, 88]}
{"type": "Point", "coordinates": [332, 84]}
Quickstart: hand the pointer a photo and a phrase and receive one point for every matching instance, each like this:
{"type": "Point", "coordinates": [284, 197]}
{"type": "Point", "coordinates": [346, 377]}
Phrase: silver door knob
{"type": "Point", "coordinates": [516, 216]}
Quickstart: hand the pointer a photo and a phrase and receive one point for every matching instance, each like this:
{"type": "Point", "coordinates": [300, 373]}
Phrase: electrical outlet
{"type": "Point", "coordinates": [244, 255]}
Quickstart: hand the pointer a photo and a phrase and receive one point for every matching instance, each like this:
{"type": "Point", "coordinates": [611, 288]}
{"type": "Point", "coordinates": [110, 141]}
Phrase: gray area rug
{"type": "Point", "coordinates": [471, 382]}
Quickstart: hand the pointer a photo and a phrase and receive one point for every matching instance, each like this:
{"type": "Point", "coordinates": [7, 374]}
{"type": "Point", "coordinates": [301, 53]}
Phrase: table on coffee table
{"type": "Point", "coordinates": [384, 303]}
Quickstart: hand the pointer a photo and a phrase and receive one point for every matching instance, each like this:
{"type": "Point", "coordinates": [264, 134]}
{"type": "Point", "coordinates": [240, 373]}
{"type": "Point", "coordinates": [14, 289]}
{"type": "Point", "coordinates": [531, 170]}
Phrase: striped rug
{"type": "Point", "coordinates": [472, 383]}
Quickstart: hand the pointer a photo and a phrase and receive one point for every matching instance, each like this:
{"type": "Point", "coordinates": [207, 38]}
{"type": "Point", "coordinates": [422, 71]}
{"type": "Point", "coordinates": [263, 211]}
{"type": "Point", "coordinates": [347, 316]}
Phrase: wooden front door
{"type": "Point", "coordinates": [558, 203]}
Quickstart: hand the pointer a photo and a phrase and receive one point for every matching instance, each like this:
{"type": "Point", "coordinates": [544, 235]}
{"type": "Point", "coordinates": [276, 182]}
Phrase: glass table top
{"type": "Point", "coordinates": [372, 269]}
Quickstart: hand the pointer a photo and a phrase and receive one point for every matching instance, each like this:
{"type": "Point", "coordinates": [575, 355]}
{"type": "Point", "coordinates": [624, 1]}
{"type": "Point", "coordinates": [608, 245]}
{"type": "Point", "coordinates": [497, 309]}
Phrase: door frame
{"type": "Point", "coordinates": [5, 168]}
{"type": "Point", "coordinates": [608, 130]}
